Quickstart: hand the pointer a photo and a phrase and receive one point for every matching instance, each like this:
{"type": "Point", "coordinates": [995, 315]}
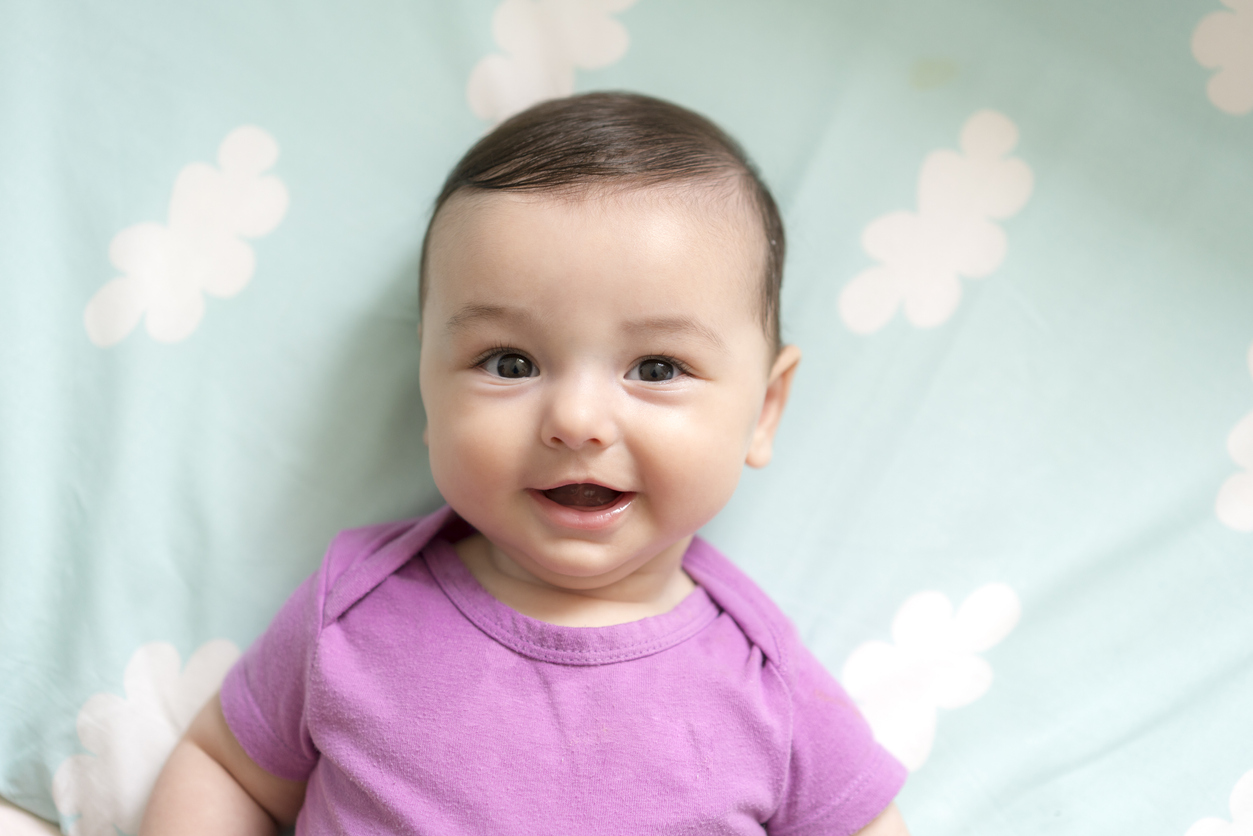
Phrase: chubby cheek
{"type": "Point", "coordinates": [473, 451]}
{"type": "Point", "coordinates": [693, 462]}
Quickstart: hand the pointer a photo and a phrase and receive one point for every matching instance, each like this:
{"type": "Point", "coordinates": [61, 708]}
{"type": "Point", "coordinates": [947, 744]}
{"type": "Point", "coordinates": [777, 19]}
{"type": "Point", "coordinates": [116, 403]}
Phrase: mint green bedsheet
{"type": "Point", "coordinates": [1012, 500]}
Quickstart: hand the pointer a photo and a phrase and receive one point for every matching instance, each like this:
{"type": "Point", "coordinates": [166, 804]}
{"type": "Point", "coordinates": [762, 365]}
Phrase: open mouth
{"type": "Point", "coordinates": [583, 495]}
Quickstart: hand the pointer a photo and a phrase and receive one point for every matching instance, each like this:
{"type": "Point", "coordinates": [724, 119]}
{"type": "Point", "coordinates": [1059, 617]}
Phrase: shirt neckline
{"type": "Point", "coordinates": [556, 643]}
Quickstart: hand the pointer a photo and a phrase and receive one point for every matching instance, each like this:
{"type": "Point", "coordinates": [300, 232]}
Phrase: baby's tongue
{"type": "Point", "coordinates": [582, 495]}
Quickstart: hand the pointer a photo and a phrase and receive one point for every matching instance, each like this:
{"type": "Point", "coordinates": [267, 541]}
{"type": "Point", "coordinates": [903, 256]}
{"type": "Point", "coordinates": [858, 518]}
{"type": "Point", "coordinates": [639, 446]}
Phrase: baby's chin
{"type": "Point", "coordinates": [575, 569]}
{"type": "Point", "coordinates": [581, 566]}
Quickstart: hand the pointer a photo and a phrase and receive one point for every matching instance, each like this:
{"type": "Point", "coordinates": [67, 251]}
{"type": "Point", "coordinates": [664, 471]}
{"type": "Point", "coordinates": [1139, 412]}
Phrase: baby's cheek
{"type": "Point", "coordinates": [471, 451]}
{"type": "Point", "coordinates": [695, 471]}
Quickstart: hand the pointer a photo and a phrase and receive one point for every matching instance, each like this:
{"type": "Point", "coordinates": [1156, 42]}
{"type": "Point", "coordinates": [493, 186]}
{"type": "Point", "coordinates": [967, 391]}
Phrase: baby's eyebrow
{"type": "Point", "coordinates": [658, 326]}
{"type": "Point", "coordinates": [676, 326]}
{"type": "Point", "coordinates": [471, 314]}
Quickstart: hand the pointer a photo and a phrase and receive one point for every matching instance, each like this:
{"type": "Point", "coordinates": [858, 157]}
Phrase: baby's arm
{"type": "Point", "coordinates": [210, 785]}
{"type": "Point", "coordinates": [888, 823]}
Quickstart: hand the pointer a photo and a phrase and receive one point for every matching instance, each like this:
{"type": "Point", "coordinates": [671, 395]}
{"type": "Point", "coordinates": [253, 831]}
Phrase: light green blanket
{"type": "Point", "coordinates": [1012, 501]}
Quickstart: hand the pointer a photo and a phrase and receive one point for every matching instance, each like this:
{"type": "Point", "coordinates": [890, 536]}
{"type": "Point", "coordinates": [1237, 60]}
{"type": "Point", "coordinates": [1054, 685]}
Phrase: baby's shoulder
{"type": "Point", "coordinates": [739, 596]}
{"type": "Point", "coordinates": [359, 559]}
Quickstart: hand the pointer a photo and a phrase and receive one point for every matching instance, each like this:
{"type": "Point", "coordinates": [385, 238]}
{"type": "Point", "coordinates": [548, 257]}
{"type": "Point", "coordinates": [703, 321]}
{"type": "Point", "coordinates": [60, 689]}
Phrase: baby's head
{"type": "Point", "coordinates": [619, 142]}
{"type": "Point", "coordinates": [600, 341]}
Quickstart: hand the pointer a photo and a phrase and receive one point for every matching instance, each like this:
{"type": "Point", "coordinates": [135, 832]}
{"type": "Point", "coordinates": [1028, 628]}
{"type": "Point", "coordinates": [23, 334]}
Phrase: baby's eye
{"type": "Point", "coordinates": [653, 370]}
{"type": "Point", "coordinates": [509, 365]}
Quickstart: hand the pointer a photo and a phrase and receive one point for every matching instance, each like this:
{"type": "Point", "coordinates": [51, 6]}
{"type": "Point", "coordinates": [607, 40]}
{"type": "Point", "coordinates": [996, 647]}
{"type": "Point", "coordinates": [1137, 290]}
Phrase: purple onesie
{"type": "Point", "coordinates": [413, 702]}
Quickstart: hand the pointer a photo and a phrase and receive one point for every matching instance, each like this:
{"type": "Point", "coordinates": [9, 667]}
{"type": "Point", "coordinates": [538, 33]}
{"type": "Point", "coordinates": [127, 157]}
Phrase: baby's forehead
{"type": "Point", "coordinates": [719, 207]}
{"type": "Point", "coordinates": [711, 222]}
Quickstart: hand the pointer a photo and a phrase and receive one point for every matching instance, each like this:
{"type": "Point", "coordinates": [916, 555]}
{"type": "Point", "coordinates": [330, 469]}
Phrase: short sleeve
{"type": "Point", "coordinates": [838, 779]}
{"type": "Point", "coordinates": [264, 694]}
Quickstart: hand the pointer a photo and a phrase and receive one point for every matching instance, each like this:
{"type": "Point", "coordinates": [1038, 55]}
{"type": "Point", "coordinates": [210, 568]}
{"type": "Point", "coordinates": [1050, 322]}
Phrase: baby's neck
{"type": "Point", "coordinates": [637, 596]}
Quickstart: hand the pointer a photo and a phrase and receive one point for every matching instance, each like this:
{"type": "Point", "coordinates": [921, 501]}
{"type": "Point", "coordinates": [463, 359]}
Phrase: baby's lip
{"type": "Point", "coordinates": [583, 506]}
{"type": "Point", "coordinates": [587, 496]}
{"type": "Point", "coordinates": [566, 482]}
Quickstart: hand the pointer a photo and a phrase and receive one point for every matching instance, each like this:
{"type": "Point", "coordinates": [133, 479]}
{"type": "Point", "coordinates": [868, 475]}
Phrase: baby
{"type": "Point", "coordinates": [555, 651]}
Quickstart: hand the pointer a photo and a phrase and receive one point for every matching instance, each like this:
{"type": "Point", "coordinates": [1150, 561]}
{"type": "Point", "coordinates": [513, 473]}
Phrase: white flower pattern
{"type": "Point", "coordinates": [1241, 805]}
{"type": "Point", "coordinates": [953, 234]}
{"type": "Point", "coordinates": [130, 737]}
{"type": "Point", "coordinates": [542, 43]}
{"type": "Point", "coordinates": [932, 663]}
{"type": "Point", "coordinates": [1235, 498]}
{"type": "Point", "coordinates": [1223, 41]}
{"type": "Point", "coordinates": [199, 249]}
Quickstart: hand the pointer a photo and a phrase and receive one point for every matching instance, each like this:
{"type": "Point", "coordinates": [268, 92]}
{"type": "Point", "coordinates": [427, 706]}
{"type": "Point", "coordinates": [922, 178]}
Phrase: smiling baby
{"type": "Point", "coordinates": [555, 651]}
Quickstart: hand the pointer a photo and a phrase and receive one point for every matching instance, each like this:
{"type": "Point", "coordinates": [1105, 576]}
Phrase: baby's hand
{"type": "Point", "coordinates": [210, 785]}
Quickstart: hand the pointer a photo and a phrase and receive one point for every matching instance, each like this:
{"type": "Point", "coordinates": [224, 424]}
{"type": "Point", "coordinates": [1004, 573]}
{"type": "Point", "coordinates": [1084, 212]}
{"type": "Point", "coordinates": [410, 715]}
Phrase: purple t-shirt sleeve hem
{"type": "Point", "coordinates": [875, 787]}
{"type": "Point", "coordinates": [254, 734]}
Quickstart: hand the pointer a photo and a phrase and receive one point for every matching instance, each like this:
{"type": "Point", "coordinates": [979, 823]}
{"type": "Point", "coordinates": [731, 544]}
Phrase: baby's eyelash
{"type": "Point", "coordinates": [504, 348]}
{"type": "Point", "coordinates": [498, 348]}
{"type": "Point", "coordinates": [678, 364]}
{"type": "Point", "coordinates": [681, 369]}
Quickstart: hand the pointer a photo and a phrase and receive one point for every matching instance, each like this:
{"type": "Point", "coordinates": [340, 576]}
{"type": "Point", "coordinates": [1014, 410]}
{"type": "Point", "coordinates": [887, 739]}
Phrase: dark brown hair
{"type": "Point", "coordinates": [608, 139]}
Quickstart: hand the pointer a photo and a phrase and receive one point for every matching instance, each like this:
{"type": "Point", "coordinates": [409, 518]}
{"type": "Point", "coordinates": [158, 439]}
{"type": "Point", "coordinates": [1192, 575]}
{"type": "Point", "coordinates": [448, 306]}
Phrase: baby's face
{"type": "Point", "coordinates": [594, 371]}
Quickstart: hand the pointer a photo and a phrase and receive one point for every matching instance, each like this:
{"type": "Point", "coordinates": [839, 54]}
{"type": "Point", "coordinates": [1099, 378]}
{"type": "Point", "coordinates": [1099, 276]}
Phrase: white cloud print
{"type": "Point", "coordinates": [932, 663]}
{"type": "Point", "coordinates": [543, 42]}
{"type": "Point", "coordinates": [199, 249]}
{"type": "Point", "coordinates": [130, 737]}
{"type": "Point", "coordinates": [1241, 804]}
{"type": "Point", "coordinates": [953, 233]}
{"type": "Point", "coordinates": [1223, 41]}
{"type": "Point", "coordinates": [1235, 498]}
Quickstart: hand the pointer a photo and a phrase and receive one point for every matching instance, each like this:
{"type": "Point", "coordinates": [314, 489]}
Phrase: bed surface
{"type": "Point", "coordinates": [1011, 505]}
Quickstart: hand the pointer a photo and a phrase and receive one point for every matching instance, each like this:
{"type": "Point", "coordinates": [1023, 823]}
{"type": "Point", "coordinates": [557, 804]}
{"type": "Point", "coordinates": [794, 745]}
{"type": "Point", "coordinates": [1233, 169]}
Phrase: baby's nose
{"type": "Point", "coordinates": [579, 412]}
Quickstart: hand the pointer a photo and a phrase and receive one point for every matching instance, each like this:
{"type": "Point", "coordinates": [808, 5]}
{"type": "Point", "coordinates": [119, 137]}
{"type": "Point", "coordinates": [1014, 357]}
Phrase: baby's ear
{"type": "Point", "coordinates": [778, 386]}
